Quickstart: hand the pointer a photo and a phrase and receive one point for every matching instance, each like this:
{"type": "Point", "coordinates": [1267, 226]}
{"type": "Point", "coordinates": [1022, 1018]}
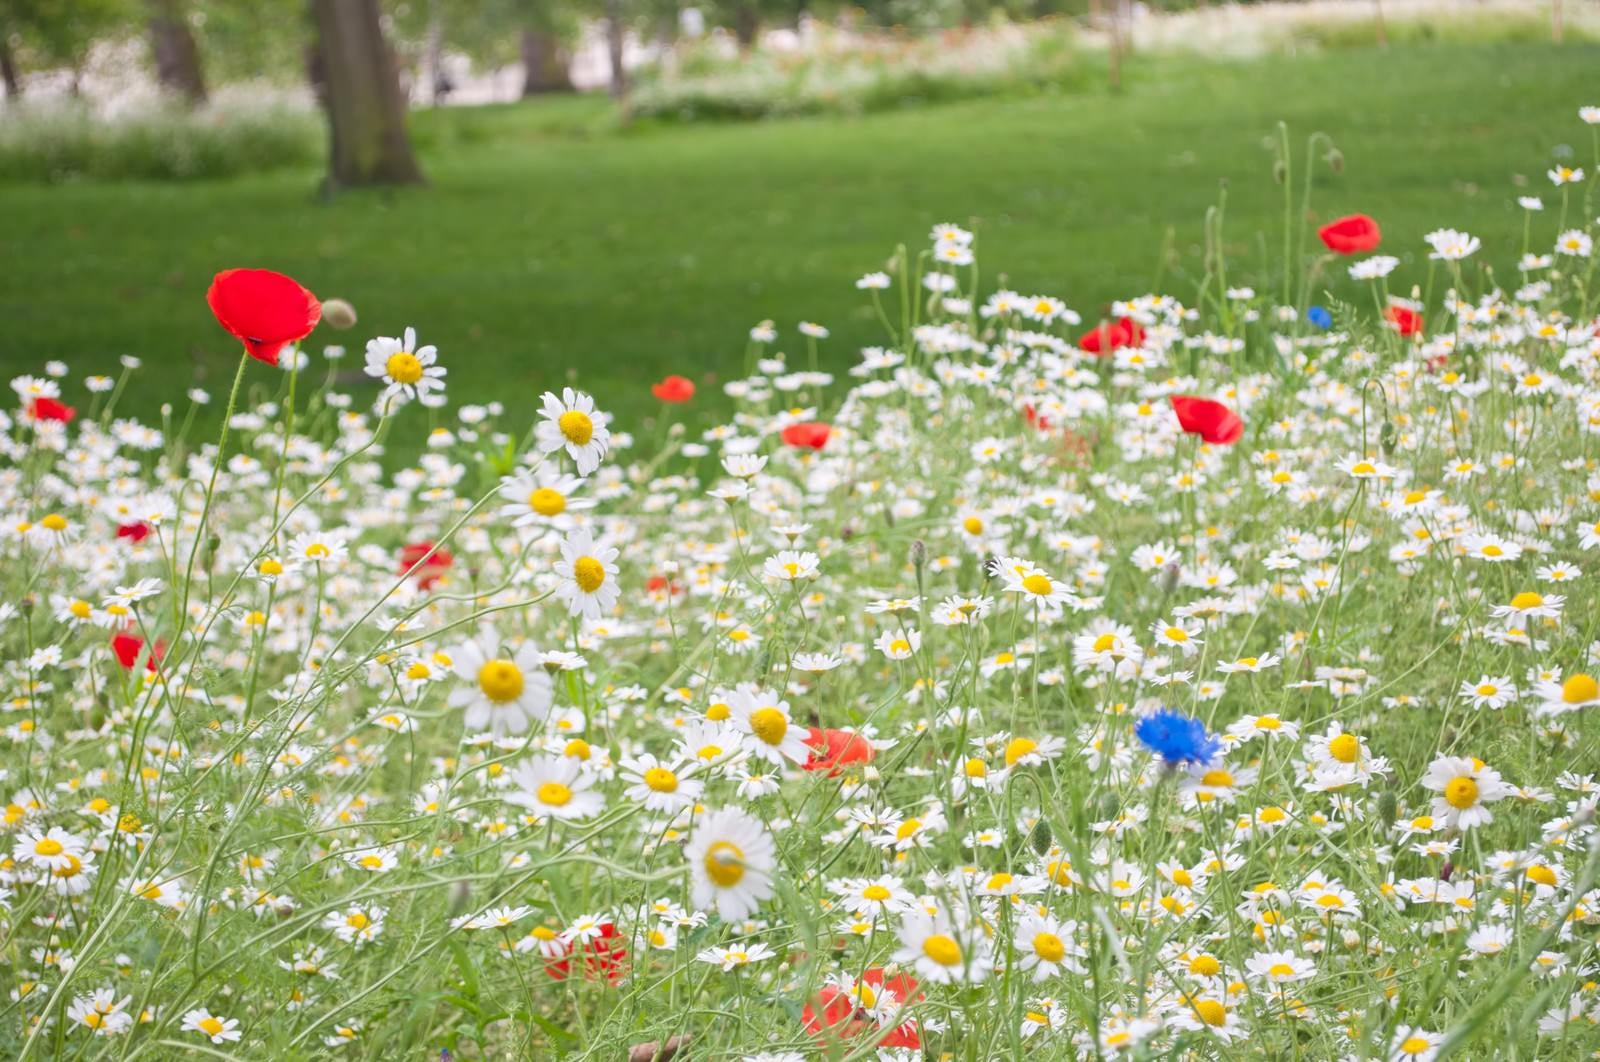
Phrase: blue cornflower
{"type": "Point", "coordinates": [1319, 316]}
{"type": "Point", "coordinates": [1176, 738]}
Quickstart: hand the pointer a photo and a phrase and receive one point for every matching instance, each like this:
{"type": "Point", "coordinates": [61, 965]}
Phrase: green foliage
{"type": "Point", "coordinates": [60, 32]}
{"type": "Point", "coordinates": [61, 142]}
{"type": "Point", "coordinates": [875, 74]}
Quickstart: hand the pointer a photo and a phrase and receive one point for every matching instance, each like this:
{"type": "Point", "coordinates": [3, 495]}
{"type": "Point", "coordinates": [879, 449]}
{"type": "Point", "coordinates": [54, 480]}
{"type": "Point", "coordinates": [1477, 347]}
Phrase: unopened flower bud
{"type": "Point", "coordinates": [338, 314]}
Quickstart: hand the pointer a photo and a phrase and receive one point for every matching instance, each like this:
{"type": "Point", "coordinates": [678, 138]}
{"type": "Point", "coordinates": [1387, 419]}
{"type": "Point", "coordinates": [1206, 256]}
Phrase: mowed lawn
{"type": "Point", "coordinates": [552, 246]}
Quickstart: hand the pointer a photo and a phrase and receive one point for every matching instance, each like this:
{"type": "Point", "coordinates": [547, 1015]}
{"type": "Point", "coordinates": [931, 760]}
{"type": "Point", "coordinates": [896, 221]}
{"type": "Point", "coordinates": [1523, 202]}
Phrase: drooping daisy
{"type": "Point", "coordinates": [660, 785]}
{"type": "Point", "coordinates": [218, 1029]}
{"type": "Point", "coordinates": [508, 692]}
{"type": "Point", "coordinates": [763, 717]}
{"type": "Point", "coordinates": [730, 858]}
{"type": "Point", "coordinates": [571, 422]}
{"type": "Point", "coordinates": [941, 952]}
{"type": "Point", "coordinates": [588, 574]}
{"type": "Point", "coordinates": [408, 369]}
{"type": "Point", "coordinates": [545, 497]}
{"type": "Point", "coordinates": [554, 787]}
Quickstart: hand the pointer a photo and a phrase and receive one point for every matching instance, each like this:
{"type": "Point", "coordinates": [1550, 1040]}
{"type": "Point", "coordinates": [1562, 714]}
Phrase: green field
{"type": "Point", "coordinates": [552, 243]}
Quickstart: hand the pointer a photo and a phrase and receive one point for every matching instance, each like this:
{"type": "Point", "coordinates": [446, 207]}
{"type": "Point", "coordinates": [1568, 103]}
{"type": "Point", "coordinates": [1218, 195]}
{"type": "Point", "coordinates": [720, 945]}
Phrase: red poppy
{"type": "Point", "coordinates": [674, 389]}
{"type": "Point", "coordinates": [430, 563]}
{"type": "Point", "coordinates": [127, 648]}
{"type": "Point", "coordinates": [1034, 417]}
{"type": "Point", "coordinates": [605, 956]}
{"type": "Point", "coordinates": [263, 310]}
{"type": "Point", "coordinates": [1403, 319]}
{"type": "Point", "coordinates": [1214, 422]}
{"type": "Point", "coordinates": [660, 584]}
{"type": "Point", "coordinates": [836, 1015]}
{"type": "Point", "coordinates": [1356, 234]}
{"type": "Point", "coordinates": [812, 434]}
{"type": "Point", "coordinates": [1126, 332]}
{"type": "Point", "coordinates": [835, 749]}
{"type": "Point", "coordinates": [42, 408]}
{"type": "Point", "coordinates": [137, 531]}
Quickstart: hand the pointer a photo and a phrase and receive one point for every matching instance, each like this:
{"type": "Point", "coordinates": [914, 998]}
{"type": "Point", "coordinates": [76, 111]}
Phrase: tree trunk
{"type": "Point", "coordinates": [438, 88]}
{"type": "Point", "coordinates": [544, 65]}
{"type": "Point", "coordinates": [176, 55]}
{"type": "Point", "coordinates": [8, 68]}
{"type": "Point", "coordinates": [360, 90]}
{"type": "Point", "coordinates": [746, 24]}
{"type": "Point", "coordinates": [615, 32]}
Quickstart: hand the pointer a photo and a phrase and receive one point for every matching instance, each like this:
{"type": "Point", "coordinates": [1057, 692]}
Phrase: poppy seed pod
{"type": "Point", "coordinates": [337, 313]}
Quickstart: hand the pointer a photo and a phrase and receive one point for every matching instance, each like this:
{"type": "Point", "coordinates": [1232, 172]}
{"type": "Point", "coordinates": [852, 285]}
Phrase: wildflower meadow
{"type": "Point", "coordinates": [1211, 678]}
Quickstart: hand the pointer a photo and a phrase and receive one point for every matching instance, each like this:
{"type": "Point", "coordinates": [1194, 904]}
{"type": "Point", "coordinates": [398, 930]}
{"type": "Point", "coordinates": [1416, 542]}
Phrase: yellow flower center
{"type": "Point", "coordinates": [718, 712]}
{"type": "Point", "coordinates": [1542, 874]}
{"type": "Point", "coordinates": [1038, 584]}
{"type": "Point", "coordinates": [709, 752]}
{"type": "Point", "coordinates": [661, 780]}
{"type": "Point", "coordinates": [1580, 688]}
{"type": "Point", "coordinates": [1488, 689]}
{"type": "Point", "coordinates": [1461, 793]}
{"type": "Point", "coordinates": [1413, 1045]}
{"type": "Point", "coordinates": [500, 680]}
{"type": "Point", "coordinates": [357, 920]}
{"type": "Point", "coordinates": [875, 893]}
{"type": "Point", "coordinates": [769, 725]}
{"type": "Point", "coordinates": [907, 828]}
{"type": "Point", "coordinates": [976, 768]}
{"type": "Point", "coordinates": [588, 573]}
{"type": "Point", "coordinates": [81, 609]}
{"type": "Point", "coordinates": [555, 794]}
{"type": "Point", "coordinates": [1280, 969]}
{"type": "Point", "coordinates": [403, 368]}
{"type": "Point", "coordinates": [973, 525]}
{"type": "Point", "coordinates": [48, 846]}
{"type": "Point", "coordinates": [54, 522]}
{"type": "Point", "coordinates": [1217, 779]}
{"type": "Point", "coordinates": [1204, 966]}
{"type": "Point", "coordinates": [1177, 634]}
{"type": "Point", "coordinates": [1104, 642]}
{"type": "Point", "coordinates": [1360, 468]}
{"type": "Point", "coordinates": [942, 949]}
{"type": "Point", "coordinates": [724, 864]}
{"type": "Point", "coordinates": [547, 502]}
{"type": "Point", "coordinates": [1211, 1012]}
{"type": "Point", "coordinates": [577, 748]}
{"type": "Point", "coordinates": [1182, 877]}
{"type": "Point", "coordinates": [1017, 748]}
{"type": "Point", "coordinates": [268, 566]}
{"type": "Point", "coordinates": [1048, 947]}
{"type": "Point", "coordinates": [1345, 748]}
{"type": "Point", "coordinates": [1492, 550]}
{"type": "Point", "coordinates": [209, 1025]}
{"type": "Point", "coordinates": [577, 427]}
{"type": "Point", "coordinates": [93, 1019]}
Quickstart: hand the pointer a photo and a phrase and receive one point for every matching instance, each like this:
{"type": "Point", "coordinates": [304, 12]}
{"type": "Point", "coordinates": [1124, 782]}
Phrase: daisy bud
{"type": "Point", "coordinates": [337, 313]}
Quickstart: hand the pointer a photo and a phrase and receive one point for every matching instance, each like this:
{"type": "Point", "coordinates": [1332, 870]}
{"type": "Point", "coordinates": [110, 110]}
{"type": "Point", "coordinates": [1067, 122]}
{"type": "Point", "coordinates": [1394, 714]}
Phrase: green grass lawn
{"type": "Point", "coordinates": [551, 245]}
